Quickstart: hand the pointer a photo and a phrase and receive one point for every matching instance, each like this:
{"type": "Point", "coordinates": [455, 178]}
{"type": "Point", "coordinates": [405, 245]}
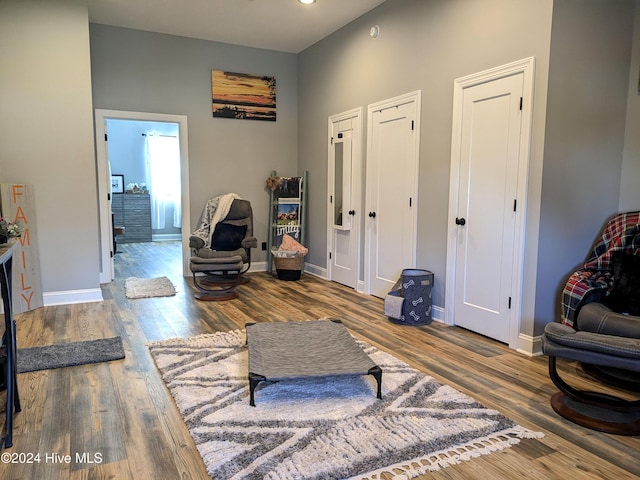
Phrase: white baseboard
{"type": "Point", "coordinates": [315, 270]}
{"type": "Point", "coordinates": [437, 314]}
{"type": "Point", "coordinates": [72, 296]}
{"type": "Point", "coordinates": [258, 267]}
{"type": "Point", "coordinates": [530, 346]}
{"type": "Point", "coordinates": [163, 237]}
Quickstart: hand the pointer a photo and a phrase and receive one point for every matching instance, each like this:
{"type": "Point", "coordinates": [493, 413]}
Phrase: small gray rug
{"type": "Point", "coordinates": [148, 287]}
{"type": "Point", "coordinates": [69, 354]}
{"type": "Point", "coordinates": [323, 428]}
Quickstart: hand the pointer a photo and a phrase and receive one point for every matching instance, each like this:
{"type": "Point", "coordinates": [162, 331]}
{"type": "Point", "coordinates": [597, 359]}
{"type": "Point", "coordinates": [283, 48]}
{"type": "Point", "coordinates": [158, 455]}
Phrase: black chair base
{"type": "Point", "coordinates": [594, 410]}
{"type": "Point", "coordinates": [596, 418]}
{"type": "Point", "coordinates": [215, 296]}
{"type": "Point", "coordinates": [218, 288]}
{"type": "Point", "coordinates": [624, 379]}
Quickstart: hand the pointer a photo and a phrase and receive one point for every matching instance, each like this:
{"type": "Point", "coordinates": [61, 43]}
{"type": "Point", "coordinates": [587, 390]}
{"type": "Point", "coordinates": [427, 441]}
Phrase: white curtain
{"type": "Point", "coordinates": [163, 174]}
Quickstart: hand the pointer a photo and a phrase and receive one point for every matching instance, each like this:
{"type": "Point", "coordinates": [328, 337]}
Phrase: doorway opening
{"type": "Point", "coordinates": [146, 156]}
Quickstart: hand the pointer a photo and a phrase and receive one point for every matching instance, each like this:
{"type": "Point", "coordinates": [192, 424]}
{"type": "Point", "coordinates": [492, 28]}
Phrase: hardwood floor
{"type": "Point", "coordinates": [117, 420]}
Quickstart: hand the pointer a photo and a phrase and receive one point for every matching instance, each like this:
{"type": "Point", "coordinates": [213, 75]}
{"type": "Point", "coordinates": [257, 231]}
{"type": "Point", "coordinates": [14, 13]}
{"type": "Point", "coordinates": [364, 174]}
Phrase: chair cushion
{"type": "Point", "coordinates": [227, 237]}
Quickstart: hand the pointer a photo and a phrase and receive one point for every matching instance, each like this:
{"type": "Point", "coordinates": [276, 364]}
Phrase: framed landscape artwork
{"type": "Point", "coordinates": [244, 96]}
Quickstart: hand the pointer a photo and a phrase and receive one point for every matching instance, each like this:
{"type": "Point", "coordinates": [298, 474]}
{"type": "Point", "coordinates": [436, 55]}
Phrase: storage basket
{"type": "Point", "coordinates": [409, 301]}
{"type": "Point", "coordinates": [289, 268]}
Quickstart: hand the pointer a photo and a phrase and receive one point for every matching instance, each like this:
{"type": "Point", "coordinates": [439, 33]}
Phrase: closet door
{"type": "Point", "coordinates": [392, 172]}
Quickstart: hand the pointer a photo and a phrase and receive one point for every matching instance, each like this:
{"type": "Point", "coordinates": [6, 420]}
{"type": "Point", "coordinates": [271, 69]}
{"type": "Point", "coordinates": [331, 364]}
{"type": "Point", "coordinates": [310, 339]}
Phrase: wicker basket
{"type": "Point", "coordinates": [289, 268]}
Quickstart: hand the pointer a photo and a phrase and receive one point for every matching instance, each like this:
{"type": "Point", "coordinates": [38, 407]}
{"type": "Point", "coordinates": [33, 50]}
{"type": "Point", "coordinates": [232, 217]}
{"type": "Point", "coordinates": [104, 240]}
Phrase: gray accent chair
{"type": "Point", "coordinates": [608, 346]}
{"type": "Point", "coordinates": [219, 269]}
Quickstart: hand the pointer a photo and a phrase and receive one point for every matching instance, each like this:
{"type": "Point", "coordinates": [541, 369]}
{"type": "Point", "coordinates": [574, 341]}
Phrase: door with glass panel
{"type": "Point", "coordinates": [343, 211]}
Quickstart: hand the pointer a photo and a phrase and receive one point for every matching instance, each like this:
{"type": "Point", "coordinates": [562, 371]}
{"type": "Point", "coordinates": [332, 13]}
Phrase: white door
{"type": "Point", "coordinates": [343, 246]}
{"type": "Point", "coordinates": [391, 200]}
{"type": "Point", "coordinates": [486, 211]}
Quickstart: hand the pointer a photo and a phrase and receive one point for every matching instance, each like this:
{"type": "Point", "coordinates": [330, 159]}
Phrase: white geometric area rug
{"type": "Point", "coordinates": [331, 428]}
{"type": "Point", "coordinates": [148, 287]}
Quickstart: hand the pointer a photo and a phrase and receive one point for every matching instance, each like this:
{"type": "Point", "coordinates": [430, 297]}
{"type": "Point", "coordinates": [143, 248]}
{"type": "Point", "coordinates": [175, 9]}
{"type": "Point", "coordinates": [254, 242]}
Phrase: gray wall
{"type": "Point", "coordinates": [46, 133]}
{"type": "Point", "coordinates": [584, 61]}
{"type": "Point", "coordinates": [588, 85]}
{"type": "Point", "coordinates": [422, 45]}
{"type": "Point", "coordinates": [149, 72]}
{"type": "Point", "coordinates": [629, 191]}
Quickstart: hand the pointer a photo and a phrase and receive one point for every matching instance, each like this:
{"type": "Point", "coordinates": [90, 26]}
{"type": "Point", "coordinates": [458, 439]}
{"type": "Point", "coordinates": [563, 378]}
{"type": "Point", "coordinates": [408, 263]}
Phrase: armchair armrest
{"type": "Point", "coordinates": [249, 242]}
{"type": "Point", "coordinates": [196, 242]}
{"type": "Point", "coordinates": [598, 318]}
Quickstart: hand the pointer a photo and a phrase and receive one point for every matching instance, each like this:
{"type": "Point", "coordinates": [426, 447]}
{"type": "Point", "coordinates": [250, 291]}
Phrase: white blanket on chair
{"type": "Point", "coordinates": [215, 210]}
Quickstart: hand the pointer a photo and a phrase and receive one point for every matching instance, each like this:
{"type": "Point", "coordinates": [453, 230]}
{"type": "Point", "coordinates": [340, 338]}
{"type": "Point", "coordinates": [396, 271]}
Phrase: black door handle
{"type": "Point", "coordinates": [460, 221]}
{"type": "Point", "coordinates": [352, 212]}
{"type": "Point", "coordinates": [372, 214]}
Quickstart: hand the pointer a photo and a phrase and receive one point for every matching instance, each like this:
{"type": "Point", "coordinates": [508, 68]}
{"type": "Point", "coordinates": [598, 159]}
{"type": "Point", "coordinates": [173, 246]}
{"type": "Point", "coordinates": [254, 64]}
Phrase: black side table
{"type": "Point", "coordinates": [9, 341]}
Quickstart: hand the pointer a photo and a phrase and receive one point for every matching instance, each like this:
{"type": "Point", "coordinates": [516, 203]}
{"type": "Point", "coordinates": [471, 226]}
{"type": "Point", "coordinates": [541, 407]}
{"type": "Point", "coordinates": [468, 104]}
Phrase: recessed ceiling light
{"type": "Point", "coordinates": [307, 2]}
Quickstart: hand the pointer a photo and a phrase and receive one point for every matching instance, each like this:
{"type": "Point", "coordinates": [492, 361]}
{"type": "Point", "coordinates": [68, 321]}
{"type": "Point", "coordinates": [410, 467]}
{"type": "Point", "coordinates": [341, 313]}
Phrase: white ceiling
{"type": "Point", "coordinates": [284, 25]}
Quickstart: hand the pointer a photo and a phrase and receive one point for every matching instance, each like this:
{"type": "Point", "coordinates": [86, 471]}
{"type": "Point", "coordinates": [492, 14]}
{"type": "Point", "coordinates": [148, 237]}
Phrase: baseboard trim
{"type": "Point", "coordinates": [529, 345]}
{"type": "Point", "coordinates": [258, 267]}
{"type": "Point", "coordinates": [164, 237]}
{"type": "Point", "coordinates": [72, 296]}
{"type": "Point", "coordinates": [315, 270]}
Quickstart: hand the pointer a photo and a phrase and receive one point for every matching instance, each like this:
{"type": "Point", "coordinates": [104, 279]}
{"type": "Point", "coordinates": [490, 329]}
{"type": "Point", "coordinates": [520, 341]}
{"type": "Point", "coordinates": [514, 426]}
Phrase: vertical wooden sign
{"type": "Point", "coordinates": [18, 205]}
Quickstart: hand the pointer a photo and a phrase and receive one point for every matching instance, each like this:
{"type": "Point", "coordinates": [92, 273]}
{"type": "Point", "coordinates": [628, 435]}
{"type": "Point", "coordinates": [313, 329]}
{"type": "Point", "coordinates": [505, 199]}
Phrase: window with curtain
{"type": "Point", "coordinates": [163, 179]}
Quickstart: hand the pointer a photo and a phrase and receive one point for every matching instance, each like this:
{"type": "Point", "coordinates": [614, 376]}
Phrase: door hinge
{"type": "Point", "coordinates": [330, 198]}
{"type": "Point", "coordinates": [110, 253]}
{"type": "Point", "coordinates": [329, 255]}
{"type": "Point", "coordinates": [331, 140]}
{"type": "Point", "coordinates": [412, 124]}
{"type": "Point", "coordinates": [509, 303]}
{"type": "Point", "coordinates": [410, 201]}
{"type": "Point", "coordinates": [515, 203]}
{"type": "Point", "coordinates": [109, 196]}
{"type": "Point", "coordinates": [520, 103]}
{"type": "Point", "coordinates": [105, 137]}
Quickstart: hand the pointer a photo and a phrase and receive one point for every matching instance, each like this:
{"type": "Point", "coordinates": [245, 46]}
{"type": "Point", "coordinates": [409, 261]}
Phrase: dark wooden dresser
{"type": "Point", "coordinates": [133, 212]}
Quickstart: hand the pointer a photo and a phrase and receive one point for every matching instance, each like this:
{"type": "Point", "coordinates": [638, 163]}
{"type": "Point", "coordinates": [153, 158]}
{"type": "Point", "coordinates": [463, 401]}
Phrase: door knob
{"type": "Point", "coordinates": [372, 214]}
{"type": "Point", "coordinates": [460, 221]}
{"type": "Point", "coordinates": [352, 212]}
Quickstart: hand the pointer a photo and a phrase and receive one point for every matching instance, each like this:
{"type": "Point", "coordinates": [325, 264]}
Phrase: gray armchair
{"type": "Point", "coordinates": [608, 346]}
{"type": "Point", "coordinates": [221, 257]}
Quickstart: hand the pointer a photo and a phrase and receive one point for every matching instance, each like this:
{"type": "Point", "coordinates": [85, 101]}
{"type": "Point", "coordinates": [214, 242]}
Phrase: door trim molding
{"type": "Point", "coordinates": [414, 97]}
{"type": "Point", "coordinates": [106, 275]}
{"type": "Point", "coordinates": [526, 67]}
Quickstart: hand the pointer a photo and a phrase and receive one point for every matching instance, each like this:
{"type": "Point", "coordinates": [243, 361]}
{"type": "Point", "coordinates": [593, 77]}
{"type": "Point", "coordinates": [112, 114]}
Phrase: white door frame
{"type": "Point", "coordinates": [414, 97]}
{"type": "Point", "coordinates": [106, 271]}
{"type": "Point", "coordinates": [355, 115]}
{"type": "Point", "coordinates": [526, 67]}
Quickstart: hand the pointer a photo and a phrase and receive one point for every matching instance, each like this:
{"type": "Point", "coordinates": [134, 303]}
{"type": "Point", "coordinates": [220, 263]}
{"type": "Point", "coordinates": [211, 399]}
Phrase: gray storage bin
{"type": "Point", "coordinates": [409, 301]}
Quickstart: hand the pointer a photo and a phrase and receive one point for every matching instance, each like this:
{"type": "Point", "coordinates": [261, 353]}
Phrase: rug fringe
{"type": "Point", "coordinates": [452, 456]}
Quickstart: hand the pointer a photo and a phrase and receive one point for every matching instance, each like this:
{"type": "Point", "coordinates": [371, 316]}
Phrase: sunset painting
{"type": "Point", "coordinates": [239, 95]}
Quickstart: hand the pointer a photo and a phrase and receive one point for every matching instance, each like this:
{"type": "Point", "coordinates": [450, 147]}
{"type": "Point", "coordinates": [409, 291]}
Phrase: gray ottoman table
{"type": "Point", "coordinates": [292, 350]}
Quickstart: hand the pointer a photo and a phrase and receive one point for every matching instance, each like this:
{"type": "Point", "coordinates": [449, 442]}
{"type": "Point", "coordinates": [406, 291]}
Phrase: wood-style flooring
{"type": "Point", "coordinates": [117, 420]}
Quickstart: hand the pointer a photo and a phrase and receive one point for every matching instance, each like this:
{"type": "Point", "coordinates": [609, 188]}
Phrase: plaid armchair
{"type": "Point", "coordinates": [593, 281]}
